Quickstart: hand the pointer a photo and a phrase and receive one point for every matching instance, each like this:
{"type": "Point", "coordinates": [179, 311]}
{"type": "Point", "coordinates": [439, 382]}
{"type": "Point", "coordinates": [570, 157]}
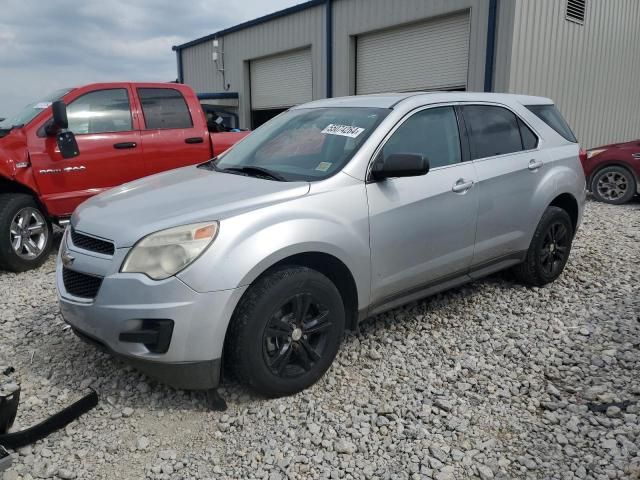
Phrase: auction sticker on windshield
{"type": "Point", "coordinates": [343, 130]}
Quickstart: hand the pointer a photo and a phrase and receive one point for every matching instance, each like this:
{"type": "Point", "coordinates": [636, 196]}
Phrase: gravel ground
{"type": "Point", "coordinates": [492, 380]}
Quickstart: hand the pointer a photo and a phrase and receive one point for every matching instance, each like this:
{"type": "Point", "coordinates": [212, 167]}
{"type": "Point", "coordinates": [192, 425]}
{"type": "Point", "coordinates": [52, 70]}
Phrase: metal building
{"type": "Point", "coordinates": [585, 54]}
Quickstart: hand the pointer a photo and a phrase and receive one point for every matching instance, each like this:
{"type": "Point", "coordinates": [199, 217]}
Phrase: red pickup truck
{"type": "Point", "coordinates": [78, 142]}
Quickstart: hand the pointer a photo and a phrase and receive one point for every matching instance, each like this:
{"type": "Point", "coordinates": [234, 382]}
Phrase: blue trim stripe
{"type": "Point", "coordinates": [491, 46]}
{"type": "Point", "coordinates": [329, 47]}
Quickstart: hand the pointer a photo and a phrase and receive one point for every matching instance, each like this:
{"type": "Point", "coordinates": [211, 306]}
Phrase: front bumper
{"type": "Point", "coordinates": [125, 301]}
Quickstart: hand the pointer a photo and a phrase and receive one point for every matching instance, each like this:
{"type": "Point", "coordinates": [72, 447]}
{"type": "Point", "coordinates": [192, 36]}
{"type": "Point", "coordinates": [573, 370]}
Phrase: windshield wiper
{"type": "Point", "coordinates": [209, 164]}
{"type": "Point", "coordinates": [253, 171]}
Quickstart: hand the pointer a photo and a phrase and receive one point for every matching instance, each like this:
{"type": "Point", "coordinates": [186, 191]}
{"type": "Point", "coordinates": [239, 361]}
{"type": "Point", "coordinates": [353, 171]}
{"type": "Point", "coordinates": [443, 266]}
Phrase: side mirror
{"type": "Point", "coordinates": [60, 122]}
{"type": "Point", "coordinates": [65, 139]}
{"type": "Point", "coordinates": [400, 165]}
{"type": "Point", "coordinates": [67, 144]}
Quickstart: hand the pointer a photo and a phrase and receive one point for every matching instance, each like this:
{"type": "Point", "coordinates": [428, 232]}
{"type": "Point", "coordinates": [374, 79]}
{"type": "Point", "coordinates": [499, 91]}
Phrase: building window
{"type": "Point", "coordinates": [576, 10]}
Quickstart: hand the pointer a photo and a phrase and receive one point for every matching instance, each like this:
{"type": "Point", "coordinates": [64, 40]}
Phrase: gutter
{"type": "Point", "coordinates": [491, 46]}
{"type": "Point", "coordinates": [179, 61]}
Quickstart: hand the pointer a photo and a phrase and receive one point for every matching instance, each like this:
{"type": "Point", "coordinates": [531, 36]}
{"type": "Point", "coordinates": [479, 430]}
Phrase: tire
{"type": "Point", "coordinates": [549, 249]}
{"type": "Point", "coordinates": [24, 244]}
{"type": "Point", "coordinates": [265, 351]}
{"type": "Point", "coordinates": [614, 185]}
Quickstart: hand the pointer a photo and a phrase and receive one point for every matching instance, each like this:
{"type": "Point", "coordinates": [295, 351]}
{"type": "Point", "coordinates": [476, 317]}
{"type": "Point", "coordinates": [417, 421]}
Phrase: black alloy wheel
{"type": "Point", "coordinates": [296, 336]}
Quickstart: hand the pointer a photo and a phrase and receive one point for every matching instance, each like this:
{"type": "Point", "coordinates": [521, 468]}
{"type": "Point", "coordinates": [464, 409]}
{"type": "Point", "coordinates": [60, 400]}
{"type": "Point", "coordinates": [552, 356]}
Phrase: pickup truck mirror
{"type": "Point", "coordinates": [60, 121]}
{"type": "Point", "coordinates": [400, 165]}
{"type": "Point", "coordinates": [67, 144]}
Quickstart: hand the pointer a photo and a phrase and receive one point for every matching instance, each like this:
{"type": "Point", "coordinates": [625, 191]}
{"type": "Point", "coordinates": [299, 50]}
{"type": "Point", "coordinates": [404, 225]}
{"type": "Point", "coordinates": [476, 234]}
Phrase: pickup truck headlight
{"type": "Point", "coordinates": [165, 253]}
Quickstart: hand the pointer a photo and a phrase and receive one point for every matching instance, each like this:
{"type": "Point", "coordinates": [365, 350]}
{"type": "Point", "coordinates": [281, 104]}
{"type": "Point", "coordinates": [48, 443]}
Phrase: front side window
{"type": "Point", "coordinates": [492, 131]}
{"type": "Point", "coordinates": [304, 144]}
{"type": "Point", "coordinates": [164, 108]}
{"type": "Point", "coordinates": [432, 133]}
{"type": "Point", "coordinates": [101, 111]}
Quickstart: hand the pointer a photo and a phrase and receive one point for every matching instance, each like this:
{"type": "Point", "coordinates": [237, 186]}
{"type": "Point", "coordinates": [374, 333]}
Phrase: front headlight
{"type": "Point", "coordinates": [165, 253]}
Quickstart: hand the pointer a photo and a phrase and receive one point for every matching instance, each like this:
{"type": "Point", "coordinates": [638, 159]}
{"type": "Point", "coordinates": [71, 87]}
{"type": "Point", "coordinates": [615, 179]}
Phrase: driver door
{"type": "Point", "coordinates": [422, 229]}
{"type": "Point", "coordinates": [109, 145]}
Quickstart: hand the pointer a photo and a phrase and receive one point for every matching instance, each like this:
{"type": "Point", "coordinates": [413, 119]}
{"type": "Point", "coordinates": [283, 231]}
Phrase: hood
{"type": "Point", "coordinates": [187, 195]}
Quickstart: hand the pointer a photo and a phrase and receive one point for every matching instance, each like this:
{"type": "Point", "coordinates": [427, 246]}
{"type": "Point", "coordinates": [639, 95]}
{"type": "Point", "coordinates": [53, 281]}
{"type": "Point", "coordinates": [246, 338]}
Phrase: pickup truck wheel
{"type": "Point", "coordinates": [286, 331]}
{"type": "Point", "coordinates": [614, 185]}
{"type": "Point", "coordinates": [25, 233]}
{"type": "Point", "coordinates": [549, 249]}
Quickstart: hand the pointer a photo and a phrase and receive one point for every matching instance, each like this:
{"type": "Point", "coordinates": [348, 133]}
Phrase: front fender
{"type": "Point", "coordinates": [334, 223]}
{"type": "Point", "coordinates": [15, 164]}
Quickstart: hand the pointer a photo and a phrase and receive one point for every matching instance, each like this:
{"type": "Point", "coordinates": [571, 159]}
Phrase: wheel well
{"type": "Point", "coordinates": [337, 272]}
{"type": "Point", "coordinates": [618, 164]}
{"type": "Point", "coordinates": [9, 186]}
{"type": "Point", "coordinates": [568, 203]}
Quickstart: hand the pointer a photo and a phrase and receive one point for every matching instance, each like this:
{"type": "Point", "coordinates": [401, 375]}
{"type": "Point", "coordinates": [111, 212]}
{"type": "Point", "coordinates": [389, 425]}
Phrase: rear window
{"type": "Point", "coordinates": [550, 115]}
{"type": "Point", "coordinates": [164, 108]}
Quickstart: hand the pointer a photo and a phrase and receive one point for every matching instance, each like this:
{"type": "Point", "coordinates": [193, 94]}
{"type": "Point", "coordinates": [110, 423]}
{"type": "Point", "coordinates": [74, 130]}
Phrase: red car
{"type": "Point", "coordinates": [613, 171]}
{"type": "Point", "coordinates": [78, 142]}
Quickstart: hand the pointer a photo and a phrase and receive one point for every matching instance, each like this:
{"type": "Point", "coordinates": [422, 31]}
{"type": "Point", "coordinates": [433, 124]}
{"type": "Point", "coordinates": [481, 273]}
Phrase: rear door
{"type": "Point", "coordinates": [109, 144]}
{"type": "Point", "coordinates": [423, 228]}
{"type": "Point", "coordinates": [173, 135]}
{"type": "Point", "coordinates": [509, 165]}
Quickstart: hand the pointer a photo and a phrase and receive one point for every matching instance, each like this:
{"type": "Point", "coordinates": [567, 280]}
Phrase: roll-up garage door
{"type": "Point", "coordinates": [281, 81]}
{"type": "Point", "coordinates": [433, 55]}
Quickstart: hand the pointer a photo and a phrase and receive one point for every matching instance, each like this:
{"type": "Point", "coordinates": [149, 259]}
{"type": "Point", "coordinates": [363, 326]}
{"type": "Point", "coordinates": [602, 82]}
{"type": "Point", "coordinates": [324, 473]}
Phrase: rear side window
{"type": "Point", "coordinates": [550, 115]}
{"type": "Point", "coordinates": [529, 139]}
{"type": "Point", "coordinates": [492, 131]}
{"type": "Point", "coordinates": [164, 108]}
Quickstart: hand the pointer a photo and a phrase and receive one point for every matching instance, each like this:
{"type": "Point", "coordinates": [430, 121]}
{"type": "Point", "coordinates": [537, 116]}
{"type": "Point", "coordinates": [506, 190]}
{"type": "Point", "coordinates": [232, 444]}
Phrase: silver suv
{"type": "Point", "coordinates": [331, 212]}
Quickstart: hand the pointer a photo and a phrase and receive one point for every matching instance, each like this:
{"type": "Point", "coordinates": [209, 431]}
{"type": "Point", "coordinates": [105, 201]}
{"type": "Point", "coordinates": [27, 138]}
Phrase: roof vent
{"type": "Point", "coordinates": [576, 10]}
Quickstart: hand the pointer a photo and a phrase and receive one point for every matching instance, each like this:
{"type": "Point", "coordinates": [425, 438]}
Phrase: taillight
{"type": "Point", "coordinates": [582, 156]}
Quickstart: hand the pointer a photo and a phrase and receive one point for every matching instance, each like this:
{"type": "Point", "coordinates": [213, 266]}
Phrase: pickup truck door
{"type": "Point", "coordinates": [110, 151]}
{"type": "Point", "coordinates": [174, 131]}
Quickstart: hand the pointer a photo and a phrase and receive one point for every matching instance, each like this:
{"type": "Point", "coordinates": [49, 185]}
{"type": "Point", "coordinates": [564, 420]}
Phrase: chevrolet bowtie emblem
{"type": "Point", "coordinates": [67, 259]}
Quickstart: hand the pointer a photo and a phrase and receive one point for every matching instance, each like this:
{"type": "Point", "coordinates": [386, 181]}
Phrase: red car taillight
{"type": "Point", "coordinates": [582, 156]}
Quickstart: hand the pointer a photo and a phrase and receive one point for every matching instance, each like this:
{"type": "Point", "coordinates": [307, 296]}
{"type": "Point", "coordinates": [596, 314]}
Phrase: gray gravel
{"type": "Point", "coordinates": [491, 381]}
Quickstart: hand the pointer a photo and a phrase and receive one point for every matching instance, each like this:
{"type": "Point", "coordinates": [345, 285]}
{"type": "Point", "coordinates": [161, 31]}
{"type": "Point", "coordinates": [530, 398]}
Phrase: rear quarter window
{"type": "Point", "coordinates": [550, 115]}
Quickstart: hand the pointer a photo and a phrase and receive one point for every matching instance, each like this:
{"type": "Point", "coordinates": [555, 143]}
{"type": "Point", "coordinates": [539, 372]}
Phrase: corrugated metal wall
{"type": "Point", "coordinates": [592, 71]}
{"type": "Point", "coordinates": [297, 30]}
{"type": "Point", "coordinates": [355, 17]}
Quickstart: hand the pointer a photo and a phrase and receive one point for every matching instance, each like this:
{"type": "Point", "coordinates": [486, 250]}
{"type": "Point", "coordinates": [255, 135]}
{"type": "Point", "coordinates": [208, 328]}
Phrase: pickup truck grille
{"type": "Point", "coordinates": [92, 244]}
{"type": "Point", "coordinates": [80, 284]}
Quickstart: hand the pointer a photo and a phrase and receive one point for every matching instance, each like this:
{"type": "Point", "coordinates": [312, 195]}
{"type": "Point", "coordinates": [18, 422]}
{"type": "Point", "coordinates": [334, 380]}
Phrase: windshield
{"type": "Point", "coordinates": [29, 112]}
{"type": "Point", "coordinates": [306, 144]}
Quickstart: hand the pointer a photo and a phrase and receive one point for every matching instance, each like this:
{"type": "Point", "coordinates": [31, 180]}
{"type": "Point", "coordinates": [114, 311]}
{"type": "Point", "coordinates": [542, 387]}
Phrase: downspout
{"type": "Point", "coordinates": [329, 47]}
{"type": "Point", "coordinates": [179, 62]}
{"type": "Point", "coordinates": [491, 46]}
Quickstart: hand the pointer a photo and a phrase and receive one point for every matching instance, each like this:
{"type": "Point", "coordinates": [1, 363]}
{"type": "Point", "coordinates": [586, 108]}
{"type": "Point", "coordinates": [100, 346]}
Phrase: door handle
{"type": "Point", "coordinates": [125, 145]}
{"type": "Point", "coordinates": [194, 140]}
{"type": "Point", "coordinates": [462, 185]}
{"type": "Point", "coordinates": [535, 164]}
